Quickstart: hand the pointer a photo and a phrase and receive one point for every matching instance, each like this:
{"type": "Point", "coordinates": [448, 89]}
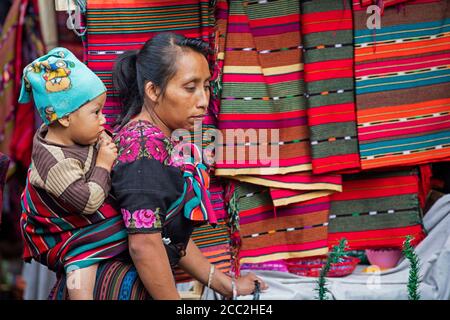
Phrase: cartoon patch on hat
{"type": "Point", "coordinates": [60, 84]}
{"type": "Point", "coordinates": [56, 74]}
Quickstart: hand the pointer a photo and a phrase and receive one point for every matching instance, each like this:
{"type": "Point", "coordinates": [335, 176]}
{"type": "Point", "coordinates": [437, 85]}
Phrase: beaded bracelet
{"type": "Point", "coordinates": [233, 288]}
{"type": "Point", "coordinates": [211, 275]}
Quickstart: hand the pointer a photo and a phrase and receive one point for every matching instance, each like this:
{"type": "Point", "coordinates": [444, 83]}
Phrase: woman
{"type": "Point", "coordinates": [163, 87]}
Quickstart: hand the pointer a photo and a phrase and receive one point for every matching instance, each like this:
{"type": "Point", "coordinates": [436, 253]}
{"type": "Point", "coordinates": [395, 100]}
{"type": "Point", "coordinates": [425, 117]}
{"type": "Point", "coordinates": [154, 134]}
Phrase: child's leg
{"type": "Point", "coordinates": [80, 283]}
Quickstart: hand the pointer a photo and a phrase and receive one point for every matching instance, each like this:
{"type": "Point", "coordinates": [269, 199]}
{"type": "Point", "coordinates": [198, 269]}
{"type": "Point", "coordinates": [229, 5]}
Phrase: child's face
{"type": "Point", "coordinates": [86, 124]}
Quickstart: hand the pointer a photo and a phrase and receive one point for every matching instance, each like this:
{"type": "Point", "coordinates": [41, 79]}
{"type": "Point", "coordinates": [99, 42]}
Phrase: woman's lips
{"type": "Point", "coordinates": [199, 116]}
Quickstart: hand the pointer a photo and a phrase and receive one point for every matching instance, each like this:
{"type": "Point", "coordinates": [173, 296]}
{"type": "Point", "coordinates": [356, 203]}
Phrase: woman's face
{"type": "Point", "coordinates": [187, 94]}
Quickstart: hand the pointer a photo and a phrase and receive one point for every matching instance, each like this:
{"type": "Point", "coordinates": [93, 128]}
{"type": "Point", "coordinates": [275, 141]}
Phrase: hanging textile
{"type": "Point", "coordinates": [113, 28]}
{"type": "Point", "coordinates": [4, 164]}
{"type": "Point", "coordinates": [402, 84]}
{"type": "Point", "coordinates": [377, 210]}
{"type": "Point", "coordinates": [20, 44]}
{"type": "Point", "coordinates": [327, 34]}
{"type": "Point", "coordinates": [382, 3]}
{"type": "Point", "coordinates": [24, 114]}
{"type": "Point", "coordinates": [268, 235]}
{"type": "Point", "coordinates": [264, 131]}
{"type": "Point", "coordinates": [296, 187]}
{"type": "Point", "coordinates": [10, 62]}
{"type": "Point", "coordinates": [287, 189]}
{"type": "Point", "coordinates": [263, 89]}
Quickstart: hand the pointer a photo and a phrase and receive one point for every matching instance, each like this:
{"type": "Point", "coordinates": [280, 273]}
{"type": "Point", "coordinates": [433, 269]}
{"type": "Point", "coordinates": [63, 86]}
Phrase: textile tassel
{"type": "Point", "coordinates": [213, 108]}
{"type": "Point", "coordinates": [216, 79]}
{"type": "Point", "coordinates": [400, 7]}
{"type": "Point", "coordinates": [231, 197]}
{"type": "Point", "coordinates": [380, 3]}
{"type": "Point", "coordinates": [196, 197]}
{"type": "Point", "coordinates": [82, 5]}
{"type": "Point", "coordinates": [198, 208]}
{"type": "Point", "coordinates": [374, 35]}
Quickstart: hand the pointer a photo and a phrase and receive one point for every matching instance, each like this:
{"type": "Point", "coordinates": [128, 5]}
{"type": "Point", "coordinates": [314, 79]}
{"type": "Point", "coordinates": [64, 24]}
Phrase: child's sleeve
{"type": "Point", "coordinates": [66, 180]}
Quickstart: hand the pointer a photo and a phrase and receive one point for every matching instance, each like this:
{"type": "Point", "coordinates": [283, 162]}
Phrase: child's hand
{"type": "Point", "coordinates": [107, 152]}
{"type": "Point", "coordinates": [105, 137]}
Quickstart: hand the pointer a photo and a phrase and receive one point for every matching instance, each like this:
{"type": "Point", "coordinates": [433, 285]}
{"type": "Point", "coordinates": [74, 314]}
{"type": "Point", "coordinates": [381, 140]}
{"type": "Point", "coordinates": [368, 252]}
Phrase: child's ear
{"type": "Point", "coordinates": [152, 91]}
{"type": "Point", "coordinates": [64, 121]}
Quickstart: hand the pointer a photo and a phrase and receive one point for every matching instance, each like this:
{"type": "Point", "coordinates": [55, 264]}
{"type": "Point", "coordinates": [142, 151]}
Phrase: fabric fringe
{"type": "Point", "coordinates": [231, 197]}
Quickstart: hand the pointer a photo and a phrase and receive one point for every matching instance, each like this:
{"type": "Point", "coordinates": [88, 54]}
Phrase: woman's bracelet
{"type": "Point", "coordinates": [233, 288]}
{"type": "Point", "coordinates": [211, 275]}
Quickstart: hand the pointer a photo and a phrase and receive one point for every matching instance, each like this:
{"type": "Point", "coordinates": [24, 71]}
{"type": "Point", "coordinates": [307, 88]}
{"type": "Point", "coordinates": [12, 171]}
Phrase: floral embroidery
{"type": "Point", "coordinates": [143, 218]}
{"type": "Point", "coordinates": [126, 217]}
{"type": "Point", "coordinates": [129, 151]}
{"type": "Point", "coordinates": [141, 139]}
{"type": "Point", "coordinates": [176, 158]}
{"type": "Point", "coordinates": [157, 149]}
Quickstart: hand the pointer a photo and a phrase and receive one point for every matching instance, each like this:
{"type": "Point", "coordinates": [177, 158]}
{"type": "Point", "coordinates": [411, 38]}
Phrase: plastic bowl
{"type": "Point", "coordinates": [384, 258]}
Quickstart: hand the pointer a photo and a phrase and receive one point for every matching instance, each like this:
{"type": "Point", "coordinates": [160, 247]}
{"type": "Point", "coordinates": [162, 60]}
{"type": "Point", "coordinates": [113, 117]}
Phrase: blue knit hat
{"type": "Point", "coordinates": [60, 84]}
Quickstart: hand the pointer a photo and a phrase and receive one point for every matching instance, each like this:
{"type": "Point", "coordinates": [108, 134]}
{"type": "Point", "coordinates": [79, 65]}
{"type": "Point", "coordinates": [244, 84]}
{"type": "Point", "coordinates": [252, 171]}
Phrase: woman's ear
{"type": "Point", "coordinates": [152, 91]}
{"type": "Point", "coordinates": [64, 121]}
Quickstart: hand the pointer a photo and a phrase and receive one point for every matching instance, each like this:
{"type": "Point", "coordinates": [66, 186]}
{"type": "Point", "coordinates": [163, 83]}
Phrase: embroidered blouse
{"type": "Point", "coordinates": [146, 180]}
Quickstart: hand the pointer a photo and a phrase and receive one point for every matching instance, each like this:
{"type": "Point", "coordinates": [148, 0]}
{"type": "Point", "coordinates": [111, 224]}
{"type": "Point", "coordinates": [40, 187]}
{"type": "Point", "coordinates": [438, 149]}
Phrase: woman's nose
{"type": "Point", "coordinates": [203, 101]}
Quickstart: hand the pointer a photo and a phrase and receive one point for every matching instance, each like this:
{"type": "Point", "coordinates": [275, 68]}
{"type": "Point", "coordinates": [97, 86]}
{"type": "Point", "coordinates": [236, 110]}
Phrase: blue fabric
{"type": "Point", "coordinates": [60, 84]}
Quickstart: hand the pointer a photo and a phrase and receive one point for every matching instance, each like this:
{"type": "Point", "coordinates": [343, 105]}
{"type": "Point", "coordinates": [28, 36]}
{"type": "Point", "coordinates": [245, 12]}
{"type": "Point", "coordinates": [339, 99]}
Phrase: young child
{"type": "Point", "coordinates": [66, 223]}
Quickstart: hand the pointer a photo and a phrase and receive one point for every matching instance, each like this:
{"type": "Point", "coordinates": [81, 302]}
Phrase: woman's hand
{"type": "Point", "coordinates": [245, 285]}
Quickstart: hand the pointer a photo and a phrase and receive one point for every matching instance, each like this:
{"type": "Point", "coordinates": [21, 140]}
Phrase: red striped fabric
{"type": "Point", "coordinates": [377, 210]}
{"type": "Point", "coordinates": [326, 28]}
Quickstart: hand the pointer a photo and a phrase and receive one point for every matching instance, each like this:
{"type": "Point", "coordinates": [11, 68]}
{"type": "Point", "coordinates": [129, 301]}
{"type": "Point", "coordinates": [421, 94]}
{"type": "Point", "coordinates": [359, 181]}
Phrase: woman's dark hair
{"type": "Point", "coordinates": [154, 62]}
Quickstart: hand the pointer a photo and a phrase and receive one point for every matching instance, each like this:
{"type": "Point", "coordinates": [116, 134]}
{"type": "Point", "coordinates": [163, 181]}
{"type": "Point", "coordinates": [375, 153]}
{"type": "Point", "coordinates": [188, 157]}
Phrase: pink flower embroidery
{"type": "Point", "coordinates": [128, 146]}
{"type": "Point", "coordinates": [144, 218]}
{"type": "Point", "coordinates": [126, 217]}
{"type": "Point", "coordinates": [154, 143]}
{"type": "Point", "coordinates": [142, 139]}
{"type": "Point", "coordinates": [153, 132]}
{"type": "Point", "coordinates": [156, 149]}
{"type": "Point", "coordinates": [176, 158]}
{"type": "Point", "coordinates": [129, 153]}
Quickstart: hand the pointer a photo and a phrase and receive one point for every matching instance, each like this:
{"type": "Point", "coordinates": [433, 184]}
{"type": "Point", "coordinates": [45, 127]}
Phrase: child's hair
{"type": "Point", "coordinates": [155, 62]}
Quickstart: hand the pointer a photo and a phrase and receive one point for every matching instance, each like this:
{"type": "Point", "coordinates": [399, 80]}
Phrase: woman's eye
{"type": "Point", "coordinates": [192, 89]}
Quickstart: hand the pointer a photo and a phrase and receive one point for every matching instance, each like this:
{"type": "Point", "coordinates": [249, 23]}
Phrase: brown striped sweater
{"type": "Point", "coordinates": [69, 173]}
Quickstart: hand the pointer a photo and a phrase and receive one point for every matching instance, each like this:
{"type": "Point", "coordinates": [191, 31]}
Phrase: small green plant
{"type": "Point", "coordinates": [414, 270]}
{"type": "Point", "coordinates": [333, 257]}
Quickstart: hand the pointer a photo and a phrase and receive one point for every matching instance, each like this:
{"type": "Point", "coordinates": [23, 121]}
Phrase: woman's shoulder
{"type": "Point", "coordinates": [141, 139]}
